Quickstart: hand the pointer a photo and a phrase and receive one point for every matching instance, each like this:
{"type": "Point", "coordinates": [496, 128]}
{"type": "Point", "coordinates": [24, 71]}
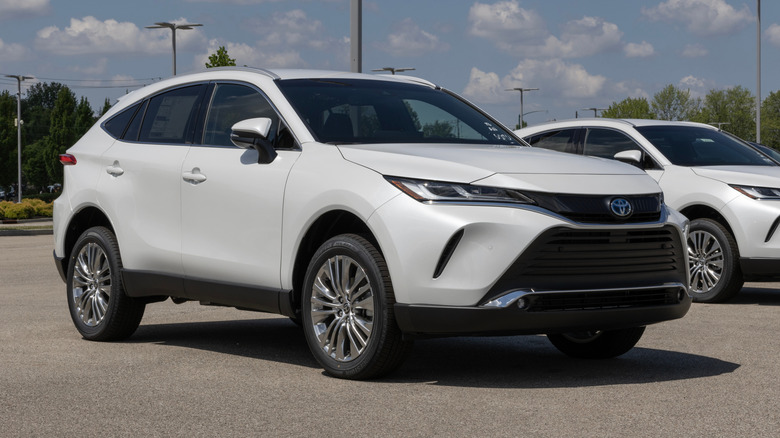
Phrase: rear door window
{"type": "Point", "coordinates": [170, 117]}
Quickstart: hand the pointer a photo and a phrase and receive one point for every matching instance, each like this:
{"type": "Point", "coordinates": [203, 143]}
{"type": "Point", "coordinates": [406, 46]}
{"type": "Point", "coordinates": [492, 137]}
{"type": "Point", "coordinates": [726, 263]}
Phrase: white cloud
{"type": "Point", "coordinates": [291, 29]}
{"type": "Point", "coordinates": [256, 56]}
{"type": "Point", "coordinates": [641, 50]}
{"type": "Point", "coordinates": [11, 52]}
{"type": "Point", "coordinates": [485, 88]}
{"type": "Point", "coordinates": [554, 77]}
{"type": "Point", "coordinates": [702, 17]}
{"type": "Point", "coordinates": [92, 36]}
{"type": "Point", "coordinates": [694, 51]}
{"type": "Point", "coordinates": [14, 8]}
{"type": "Point", "coordinates": [522, 32]}
{"type": "Point", "coordinates": [408, 39]}
{"type": "Point", "coordinates": [698, 87]}
{"type": "Point", "coordinates": [773, 34]}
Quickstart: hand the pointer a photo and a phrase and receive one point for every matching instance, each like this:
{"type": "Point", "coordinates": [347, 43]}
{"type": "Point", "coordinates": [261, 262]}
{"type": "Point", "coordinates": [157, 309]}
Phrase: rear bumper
{"type": "Point", "coordinates": [60, 263]}
{"type": "Point", "coordinates": [529, 312]}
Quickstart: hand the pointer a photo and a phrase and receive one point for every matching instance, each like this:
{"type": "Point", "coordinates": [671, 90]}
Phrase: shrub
{"type": "Point", "coordinates": [19, 211]}
{"type": "Point", "coordinates": [3, 205]}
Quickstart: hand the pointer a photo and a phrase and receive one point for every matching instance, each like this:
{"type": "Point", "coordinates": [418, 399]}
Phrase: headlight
{"type": "Point", "coordinates": [438, 191]}
{"type": "Point", "coordinates": [758, 192]}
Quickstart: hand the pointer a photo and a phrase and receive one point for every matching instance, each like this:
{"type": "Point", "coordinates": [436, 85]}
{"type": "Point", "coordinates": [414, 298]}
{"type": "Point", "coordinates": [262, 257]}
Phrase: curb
{"type": "Point", "coordinates": [11, 232]}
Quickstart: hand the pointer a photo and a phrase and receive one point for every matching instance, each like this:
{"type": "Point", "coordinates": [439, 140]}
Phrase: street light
{"type": "Point", "coordinates": [173, 27]}
{"type": "Point", "coordinates": [19, 79]}
{"type": "Point", "coordinates": [521, 90]}
{"type": "Point", "coordinates": [393, 70]}
{"type": "Point", "coordinates": [594, 109]}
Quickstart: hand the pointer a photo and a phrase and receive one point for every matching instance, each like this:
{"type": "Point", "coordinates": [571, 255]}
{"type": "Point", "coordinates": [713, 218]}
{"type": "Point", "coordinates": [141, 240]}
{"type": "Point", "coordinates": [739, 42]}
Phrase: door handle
{"type": "Point", "coordinates": [114, 169]}
{"type": "Point", "coordinates": [194, 177]}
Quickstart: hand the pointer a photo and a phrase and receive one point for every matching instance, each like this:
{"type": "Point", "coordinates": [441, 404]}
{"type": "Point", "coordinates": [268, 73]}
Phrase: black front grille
{"type": "Point", "coordinates": [568, 259]}
{"type": "Point", "coordinates": [596, 208]}
{"type": "Point", "coordinates": [573, 252]}
{"type": "Point", "coordinates": [599, 300]}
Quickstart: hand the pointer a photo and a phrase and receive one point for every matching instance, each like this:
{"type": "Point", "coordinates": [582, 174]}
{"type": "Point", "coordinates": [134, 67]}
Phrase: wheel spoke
{"type": "Point", "coordinates": [342, 308]}
{"type": "Point", "coordinates": [91, 284]}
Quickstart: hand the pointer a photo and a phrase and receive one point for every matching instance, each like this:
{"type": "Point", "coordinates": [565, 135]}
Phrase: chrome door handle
{"type": "Point", "coordinates": [194, 177]}
{"type": "Point", "coordinates": [114, 169]}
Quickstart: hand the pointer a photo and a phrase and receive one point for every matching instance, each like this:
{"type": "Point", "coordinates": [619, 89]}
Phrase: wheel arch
{"type": "Point", "coordinates": [706, 212]}
{"type": "Point", "coordinates": [329, 224]}
{"type": "Point", "coordinates": [88, 217]}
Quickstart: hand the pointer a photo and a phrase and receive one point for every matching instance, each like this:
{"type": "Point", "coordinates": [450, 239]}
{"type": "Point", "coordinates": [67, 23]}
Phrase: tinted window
{"type": "Point", "coordinates": [369, 111]}
{"type": "Point", "coordinates": [694, 146]}
{"type": "Point", "coordinates": [230, 104]}
{"type": "Point", "coordinates": [170, 116]}
{"type": "Point", "coordinates": [131, 134]}
{"type": "Point", "coordinates": [559, 140]}
{"type": "Point", "coordinates": [605, 143]}
{"type": "Point", "coordinates": [116, 125]}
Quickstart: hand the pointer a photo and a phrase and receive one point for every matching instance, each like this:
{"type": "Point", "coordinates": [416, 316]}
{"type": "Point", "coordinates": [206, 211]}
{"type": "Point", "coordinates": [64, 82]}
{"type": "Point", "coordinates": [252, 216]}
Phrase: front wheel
{"type": "Point", "coordinates": [597, 344]}
{"type": "Point", "coordinates": [348, 317]}
{"type": "Point", "coordinates": [96, 298]}
{"type": "Point", "coordinates": [713, 262]}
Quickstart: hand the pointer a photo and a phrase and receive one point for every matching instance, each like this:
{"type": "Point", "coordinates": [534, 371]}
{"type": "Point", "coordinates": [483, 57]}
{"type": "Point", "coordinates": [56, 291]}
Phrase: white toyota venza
{"type": "Point", "coordinates": [369, 209]}
{"type": "Point", "coordinates": [727, 189]}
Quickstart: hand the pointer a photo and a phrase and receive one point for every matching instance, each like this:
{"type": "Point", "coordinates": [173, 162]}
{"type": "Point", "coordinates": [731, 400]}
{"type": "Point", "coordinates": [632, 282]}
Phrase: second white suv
{"type": "Point", "coordinates": [370, 210]}
{"type": "Point", "coordinates": [729, 191]}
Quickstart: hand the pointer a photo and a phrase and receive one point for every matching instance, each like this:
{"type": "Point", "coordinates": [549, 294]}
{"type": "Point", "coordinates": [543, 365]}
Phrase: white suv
{"type": "Point", "coordinates": [729, 191]}
{"type": "Point", "coordinates": [369, 209]}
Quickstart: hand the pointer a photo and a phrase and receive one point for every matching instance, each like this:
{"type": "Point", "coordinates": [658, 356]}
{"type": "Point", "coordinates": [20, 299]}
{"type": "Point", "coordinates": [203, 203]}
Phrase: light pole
{"type": "Point", "coordinates": [758, 71]}
{"type": "Point", "coordinates": [393, 70]}
{"type": "Point", "coordinates": [521, 90]}
{"type": "Point", "coordinates": [594, 109]}
{"type": "Point", "coordinates": [173, 27]}
{"type": "Point", "coordinates": [19, 79]}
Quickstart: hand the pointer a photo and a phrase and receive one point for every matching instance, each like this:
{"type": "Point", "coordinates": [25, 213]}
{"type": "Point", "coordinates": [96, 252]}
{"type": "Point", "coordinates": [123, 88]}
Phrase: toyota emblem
{"type": "Point", "coordinates": [621, 207]}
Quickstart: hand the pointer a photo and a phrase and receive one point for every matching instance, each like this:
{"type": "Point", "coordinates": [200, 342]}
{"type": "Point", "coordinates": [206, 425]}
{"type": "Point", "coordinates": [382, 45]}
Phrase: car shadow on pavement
{"type": "Point", "coordinates": [489, 362]}
{"type": "Point", "coordinates": [762, 296]}
{"type": "Point", "coordinates": [532, 362]}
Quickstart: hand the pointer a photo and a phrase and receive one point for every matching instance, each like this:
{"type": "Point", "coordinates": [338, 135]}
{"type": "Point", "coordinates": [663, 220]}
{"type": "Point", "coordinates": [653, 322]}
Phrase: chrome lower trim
{"type": "Point", "coordinates": [511, 297]}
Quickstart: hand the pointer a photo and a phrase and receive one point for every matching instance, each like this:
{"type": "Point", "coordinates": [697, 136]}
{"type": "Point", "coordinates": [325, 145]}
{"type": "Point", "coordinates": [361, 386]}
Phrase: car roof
{"type": "Point", "coordinates": [603, 121]}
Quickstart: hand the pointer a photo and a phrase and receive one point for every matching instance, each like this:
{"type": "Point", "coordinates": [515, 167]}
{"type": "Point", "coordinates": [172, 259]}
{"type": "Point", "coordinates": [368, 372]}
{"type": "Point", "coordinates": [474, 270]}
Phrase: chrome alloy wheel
{"type": "Point", "coordinates": [91, 284]}
{"type": "Point", "coordinates": [342, 308]}
{"type": "Point", "coordinates": [705, 261]}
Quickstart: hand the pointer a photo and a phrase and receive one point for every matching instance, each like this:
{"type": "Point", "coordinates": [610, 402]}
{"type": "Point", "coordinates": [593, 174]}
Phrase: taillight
{"type": "Point", "coordinates": [67, 159]}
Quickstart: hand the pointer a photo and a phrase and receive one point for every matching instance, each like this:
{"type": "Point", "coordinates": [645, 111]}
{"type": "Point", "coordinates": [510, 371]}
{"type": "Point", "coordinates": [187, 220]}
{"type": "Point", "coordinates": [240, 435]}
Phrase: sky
{"type": "Point", "coordinates": [578, 53]}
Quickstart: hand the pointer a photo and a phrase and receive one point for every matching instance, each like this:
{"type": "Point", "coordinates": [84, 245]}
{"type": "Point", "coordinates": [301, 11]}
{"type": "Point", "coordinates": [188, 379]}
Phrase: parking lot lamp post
{"type": "Point", "coordinates": [19, 79]}
{"type": "Point", "coordinates": [173, 27]}
{"type": "Point", "coordinates": [521, 90]}
{"type": "Point", "coordinates": [394, 70]}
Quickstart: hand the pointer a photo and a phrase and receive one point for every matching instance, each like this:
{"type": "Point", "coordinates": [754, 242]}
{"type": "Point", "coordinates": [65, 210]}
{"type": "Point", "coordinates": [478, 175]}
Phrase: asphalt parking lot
{"type": "Point", "coordinates": [192, 370]}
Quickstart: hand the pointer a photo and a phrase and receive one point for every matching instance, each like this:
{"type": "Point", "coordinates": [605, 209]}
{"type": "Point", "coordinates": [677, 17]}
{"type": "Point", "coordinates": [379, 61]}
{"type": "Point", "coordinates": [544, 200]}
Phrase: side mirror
{"type": "Point", "coordinates": [633, 157]}
{"type": "Point", "coordinates": [253, 133]}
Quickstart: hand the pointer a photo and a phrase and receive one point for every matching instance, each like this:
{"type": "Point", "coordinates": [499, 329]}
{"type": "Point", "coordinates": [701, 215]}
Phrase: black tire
{"type": "Point", "coordinates": [349, 322]}
{"type": "Point", "coordinates": [597, 344]}
{"type": "Point", "coordinates": [713, 262]}
{"type": "Point", "coordinates": [99, 307]}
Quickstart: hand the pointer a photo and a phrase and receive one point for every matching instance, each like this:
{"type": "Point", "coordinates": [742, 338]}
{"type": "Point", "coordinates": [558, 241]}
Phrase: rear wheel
{"type": "Point", "coordinates": [98, 305]}
{"type": "Point", "coordinates": [713, 262]}
{"type": "Point", "coordinates": [597, 344]}
{"type": "Point", "coordinates": [348, 314]}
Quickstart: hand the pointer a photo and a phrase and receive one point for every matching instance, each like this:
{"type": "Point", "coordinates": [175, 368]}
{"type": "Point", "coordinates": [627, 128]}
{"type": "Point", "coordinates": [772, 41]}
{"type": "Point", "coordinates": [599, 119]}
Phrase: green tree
{"type": "Point", "coordinates": [8, 139]}
{"type": "Point", "coordinates": [673, 103]}
{"type": "Point", "coordinates": [732, 109]}
{"type": "Point", "coordinates": [34, 165]}
{"type": "Point", "coordinates": [85, 118]}
{"type": "Point", "coordinates": [220, 59]}
{"type": "Point", "coordinates": [770, 120]}
{"type": "Point", "coordinates": [62, 133]}
{"type": "Point", "coordinates": [37, 108]}
{"type": "Point", "coordinates": [629, 108]}
{"type": "Point", "coordinates": [106, 107]}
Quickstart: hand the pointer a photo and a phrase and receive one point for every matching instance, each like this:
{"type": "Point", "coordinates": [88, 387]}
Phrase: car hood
{"type": "Point", "coordinates": [761, 176]}
{"type": "Point", "coordinates": [502, 166]}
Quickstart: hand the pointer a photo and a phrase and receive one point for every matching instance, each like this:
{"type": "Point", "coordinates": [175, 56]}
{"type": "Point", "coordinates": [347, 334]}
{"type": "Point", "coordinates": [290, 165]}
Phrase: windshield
{"type": "Point", "coordinates": [369, 111]}
{"type": "Point", "coordinates": [695, 146]}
